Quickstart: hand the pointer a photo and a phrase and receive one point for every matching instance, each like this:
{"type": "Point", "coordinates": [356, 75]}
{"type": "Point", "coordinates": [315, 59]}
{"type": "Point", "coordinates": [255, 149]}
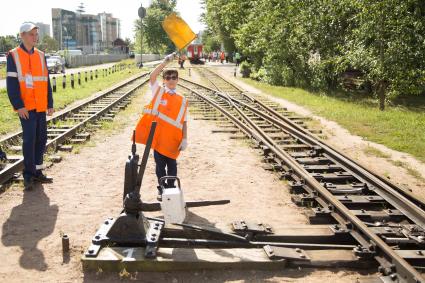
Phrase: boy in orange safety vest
{"type": "Point", "coordinates": [169, 109]}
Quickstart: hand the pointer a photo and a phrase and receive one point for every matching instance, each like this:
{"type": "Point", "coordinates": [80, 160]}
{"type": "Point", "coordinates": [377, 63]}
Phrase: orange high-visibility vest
{"type": "Point", "coordinates": [34, 65]}
{"type": "Point", "coordinates": [169, 112]}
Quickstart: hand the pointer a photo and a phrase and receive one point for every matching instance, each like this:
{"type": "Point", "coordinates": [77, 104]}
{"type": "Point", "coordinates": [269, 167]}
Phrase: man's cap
{"type": "Point", "coordinates": [27, 26]}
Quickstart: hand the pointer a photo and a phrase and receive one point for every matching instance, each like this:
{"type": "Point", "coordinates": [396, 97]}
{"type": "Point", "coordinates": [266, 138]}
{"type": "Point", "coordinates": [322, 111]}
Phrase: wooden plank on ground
{"type": "Point", "coordinates": [180, 259]}
{"type": "Point", "coordinates": [172, 259]}
{"type": "Point", "coordinates": [336, 258]}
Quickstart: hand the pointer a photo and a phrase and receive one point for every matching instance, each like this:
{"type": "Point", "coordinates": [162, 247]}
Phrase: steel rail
{"type": "Point", "coordinates": [64, 114]}
{"type": "Point", "coordinates": [359, 229]}
{"type": "Point", "coordinates": [412, 211]}
{"type": "Point", "coordinates": [340, 157]}
{"type": "Point", "coordinates": [10, 169]}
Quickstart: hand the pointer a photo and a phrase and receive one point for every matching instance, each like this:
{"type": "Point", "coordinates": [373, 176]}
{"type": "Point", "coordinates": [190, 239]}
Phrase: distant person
{"type": "Point", "coordinates": [181, 61]}
{"type": "Point", "coordinates": [237, 58]}
{"type": "Point", "coordinates": [29, 91]}
{"type": "Point", "coordinates": [169, 109]}
{"type": "Point", "coordinates": [222, 57]}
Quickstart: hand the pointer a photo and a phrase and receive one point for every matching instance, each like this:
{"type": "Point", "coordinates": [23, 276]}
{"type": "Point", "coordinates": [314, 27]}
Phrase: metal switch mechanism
{"type": "Point", "coordinates": [132, 227]}
{"type": "Point", "coordinates": [286, 253]}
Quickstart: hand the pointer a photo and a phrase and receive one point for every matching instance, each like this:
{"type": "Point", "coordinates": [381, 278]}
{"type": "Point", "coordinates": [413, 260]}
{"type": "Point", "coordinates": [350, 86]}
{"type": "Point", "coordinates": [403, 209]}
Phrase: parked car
{"type": "Point", "coordinates": [3, 59]}
{"type": "Point", "coordinates": [61, 58]}
{"type": "Point", "coordinates": [54, 65]}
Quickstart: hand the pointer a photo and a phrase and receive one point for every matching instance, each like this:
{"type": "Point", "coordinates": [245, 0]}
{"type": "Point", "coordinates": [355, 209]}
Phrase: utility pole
{"type": "Point", "coordinates": [142, 14]}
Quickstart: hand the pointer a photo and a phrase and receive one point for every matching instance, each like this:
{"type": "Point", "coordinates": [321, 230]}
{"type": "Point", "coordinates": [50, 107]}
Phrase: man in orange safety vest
{"type": "Point", "coordinates": [169, 109]}
{"type": "Point", "coordinates": [30, 94]}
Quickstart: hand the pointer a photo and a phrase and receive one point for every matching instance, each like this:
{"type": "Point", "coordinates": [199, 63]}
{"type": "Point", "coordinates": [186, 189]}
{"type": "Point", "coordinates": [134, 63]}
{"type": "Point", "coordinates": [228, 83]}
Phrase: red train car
{"type": "Point", "coordinates": [194, 53]}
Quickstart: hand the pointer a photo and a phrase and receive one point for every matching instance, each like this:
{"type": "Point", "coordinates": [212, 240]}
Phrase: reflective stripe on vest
{"type": "Point", "coordinates": [182, 109]}
{"type": "Point", "coordinates": [165, 118]}
{"type": "Point", "coordinates": [154, 111]}
{"type": "Point", "coordinates": [43, 67]}
{"type": "Point", "coordinates": [157, 98]}
{"type": "Point", "coordinates": [18, 65]}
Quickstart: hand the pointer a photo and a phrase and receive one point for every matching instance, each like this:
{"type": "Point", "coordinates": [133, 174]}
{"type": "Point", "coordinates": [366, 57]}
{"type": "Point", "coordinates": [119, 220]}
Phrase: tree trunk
{"type": "Point", "coordinates": [382, 88]}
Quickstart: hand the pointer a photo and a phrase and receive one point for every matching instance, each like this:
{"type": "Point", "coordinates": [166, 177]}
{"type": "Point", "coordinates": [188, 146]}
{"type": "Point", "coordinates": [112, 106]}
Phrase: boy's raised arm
{"type": "Point", "coordinates": [155, 73]}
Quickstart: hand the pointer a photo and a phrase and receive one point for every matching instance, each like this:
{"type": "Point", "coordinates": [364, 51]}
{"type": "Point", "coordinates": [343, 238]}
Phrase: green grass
{"type": "Point", "coordinates": [415, 173]}
{"type": "Point", "coordinates": [412, 171]}
{"type": "Point", "coordinates": [9, 121]}
{"type": "Point", "coordinates": [370, 150]}
{"type": "Point", "coordinates": [400, 127]}
{"type": "Point", "coordinates": [2, 72]}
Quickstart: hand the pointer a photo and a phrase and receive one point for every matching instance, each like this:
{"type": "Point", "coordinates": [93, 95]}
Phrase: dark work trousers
{"type": "Point", "coordinates": [34, 136]}
{"type": "Point", "coordinates": [165, 166]}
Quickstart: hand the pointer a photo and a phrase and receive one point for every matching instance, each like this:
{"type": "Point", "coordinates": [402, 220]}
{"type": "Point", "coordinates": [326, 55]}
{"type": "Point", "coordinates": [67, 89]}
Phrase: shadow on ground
{"type": "Point", "coordinates": [30, 222]}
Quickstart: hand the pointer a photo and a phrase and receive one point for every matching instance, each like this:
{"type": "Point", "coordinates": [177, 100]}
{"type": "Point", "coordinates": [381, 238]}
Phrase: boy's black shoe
{"type": "Point", "coordinates": [159, 196]}
{"type": "Point", "coordinates": [40, 177]}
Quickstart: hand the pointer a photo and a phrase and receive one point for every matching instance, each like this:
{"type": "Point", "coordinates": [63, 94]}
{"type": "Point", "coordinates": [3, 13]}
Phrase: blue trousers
{"type": "Point", "coordinates": [165, 166]}
{"type": "Point", "coordinates": [34, 136]}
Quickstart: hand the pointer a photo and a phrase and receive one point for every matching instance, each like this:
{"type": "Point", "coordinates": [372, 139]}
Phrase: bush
{"type": "Point", "coordinates": [311, 43]}
{"type": "Point", "coordinates": [259, 75]}
{"type": "Point", "coordinates": [245, 69]}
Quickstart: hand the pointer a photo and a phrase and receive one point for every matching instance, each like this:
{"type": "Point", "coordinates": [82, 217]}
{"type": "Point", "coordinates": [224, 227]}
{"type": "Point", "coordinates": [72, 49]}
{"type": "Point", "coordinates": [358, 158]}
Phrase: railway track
{"type": "Point", "coordinates": [384, 221]}
{"type": "Point", "coordinates": [69, 126]}
{"type": "Point", "coordinates": [221, 84]}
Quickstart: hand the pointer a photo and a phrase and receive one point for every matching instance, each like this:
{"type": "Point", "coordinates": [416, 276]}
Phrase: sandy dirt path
{"type": "Point", "coordinates": [87, 188]}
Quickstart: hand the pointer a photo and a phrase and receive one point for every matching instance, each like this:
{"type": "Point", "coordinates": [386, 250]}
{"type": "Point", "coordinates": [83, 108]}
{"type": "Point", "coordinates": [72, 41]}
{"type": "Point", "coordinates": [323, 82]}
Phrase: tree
{"type": "Point", "coordinates": [8, 42]}
{"type": "Point", "coordinates": [223, 17]}
{"type": "Point", "coordinates": [154, 36]}
{"type": "Point", "coordinates": [129, 43]}
{"type": "Point", "coordinates": [139, 28]}
{"type": "Point", "coordinates": [211, 41]}
{"type": "Point", "coordinates": [48, 44]}
{"type": "Point", "coordinates": [388, 45]}
{"type": "Point", "coordinates": [311, 43]}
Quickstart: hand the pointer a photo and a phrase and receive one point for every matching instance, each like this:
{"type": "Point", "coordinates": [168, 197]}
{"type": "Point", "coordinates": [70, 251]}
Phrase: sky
{"type": "Point", "coordinates": [125, 10]}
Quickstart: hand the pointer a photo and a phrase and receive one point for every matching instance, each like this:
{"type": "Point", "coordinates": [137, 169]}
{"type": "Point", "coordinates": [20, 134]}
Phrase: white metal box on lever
{"type": "Point", "coordinates": [173, 206]}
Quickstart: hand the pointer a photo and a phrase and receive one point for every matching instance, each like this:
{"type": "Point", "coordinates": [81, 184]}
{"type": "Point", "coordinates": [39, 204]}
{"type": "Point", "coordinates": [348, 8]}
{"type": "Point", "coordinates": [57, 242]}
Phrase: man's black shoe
{"type": "Point", "coordinates": [28, 184]}
{"type": "Point", "coordinates": [43, 178]}
{"type": "Point", "coordinates": [3, 156]}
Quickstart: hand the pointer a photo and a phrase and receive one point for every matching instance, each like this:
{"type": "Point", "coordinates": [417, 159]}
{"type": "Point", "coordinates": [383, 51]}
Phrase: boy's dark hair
{"type": "Point", "coordinates": [170, 72]}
